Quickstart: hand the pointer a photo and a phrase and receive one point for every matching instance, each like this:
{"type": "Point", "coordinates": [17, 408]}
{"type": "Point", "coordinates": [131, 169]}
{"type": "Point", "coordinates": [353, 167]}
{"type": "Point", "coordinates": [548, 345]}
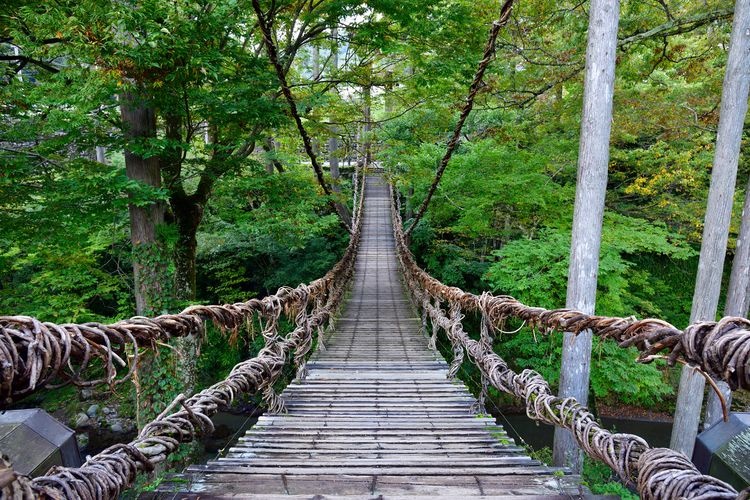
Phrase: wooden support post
{"type": "Point", "coordinates": [734, 96]}
{"type": "Point", "coordinates": [591, 187]}
{"type": "Point", "coordinates": [738, 300]}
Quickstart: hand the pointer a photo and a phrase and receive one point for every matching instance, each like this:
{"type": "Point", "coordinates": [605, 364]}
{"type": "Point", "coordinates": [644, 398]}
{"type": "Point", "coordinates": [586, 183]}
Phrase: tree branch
{"type": "Point", "coordinates": [678, 26]}
{"type": "Point", "coordinates": [489, 51]}
{"type": "Point", "coordinates": [23, 60]}
{"type": "Point", "coordinates": [306, 141]}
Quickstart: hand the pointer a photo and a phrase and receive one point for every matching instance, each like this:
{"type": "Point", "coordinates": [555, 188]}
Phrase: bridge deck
{"type": "Point", "coordinates": [376, 416]}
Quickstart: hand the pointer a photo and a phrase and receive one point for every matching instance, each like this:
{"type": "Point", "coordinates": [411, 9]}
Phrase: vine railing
{"type": "Point", "coordinates": [721, 349]}
{"type": "Point", "coordinates": [41, 351]}
{"type": "Point", "coordinates": [35, 354]}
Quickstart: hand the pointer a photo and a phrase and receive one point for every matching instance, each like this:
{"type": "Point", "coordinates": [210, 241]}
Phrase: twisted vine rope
{"type": "Point", "coordinates": [36, 354]}
{"type": "Point", "coordinates": [108, 473]}
{"type": "Point", "coordinates": [657, 473]}
{"type": "Point", "coordinates": [720, 349]}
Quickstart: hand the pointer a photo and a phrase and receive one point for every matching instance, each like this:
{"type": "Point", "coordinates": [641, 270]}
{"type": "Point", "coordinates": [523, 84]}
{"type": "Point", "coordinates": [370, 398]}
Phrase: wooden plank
{"type": "Point", "coordinates": [373, 454]}
{"type": "Point", "coordinates": [353, 463]}
{"type": "Point", "coordinates": [374, 439]}
{"type": "Point", "coordinates": [373, 471]}
{"type": "Point", "coordinates": [377, 433]}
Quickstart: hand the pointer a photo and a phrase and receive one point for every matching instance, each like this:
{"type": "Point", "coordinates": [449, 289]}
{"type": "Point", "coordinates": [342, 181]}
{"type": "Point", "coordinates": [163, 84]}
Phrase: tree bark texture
{"type": "Point", "coordinates": [139, 122]}
{"type": "Point", "coordinates": [149, 266]}
{"type": "Point", "coordinates": [591, 187]}
{"type": "Point", "coordinates": [101, 155]}
{"type": "Point", "coordinates": [333, 147]}
{"type": "Point", "coordinates": [734, 96]}
{"type": "Point", "coordinates": [272, 163]}
{"type": "Point", "coordinates": [187, 211]}
{"type": "Point", "coordinates": [367, 126]}
{"type": "Point", "coordinates": [738, 298]}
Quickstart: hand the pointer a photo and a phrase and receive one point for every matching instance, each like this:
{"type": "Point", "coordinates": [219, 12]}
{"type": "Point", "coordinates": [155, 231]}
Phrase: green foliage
{"type": "Point", "coordinates": [535, 270]}
{"type": "Point", "coordinates": [602, 481]}
{"type": "Point", "coordinates": [158, 382]}
{"type": "Point", "coordinates": [500, 219]}
{"type": "Point", "coordinates": [281, 235]}
{"type": "Point", "coordinates": [63, 253]}
{"type": "Point", "coordinates": [220, 352]}
{"type": "Point", "coordinates": [544, 455]}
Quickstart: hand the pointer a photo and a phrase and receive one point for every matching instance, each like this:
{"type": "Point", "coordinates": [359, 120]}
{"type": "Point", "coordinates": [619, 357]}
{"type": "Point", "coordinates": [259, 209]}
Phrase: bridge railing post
{"type": "Point", "coordinates": [486, 334]}
{"type": "Point", "coordinates": [458, 350]}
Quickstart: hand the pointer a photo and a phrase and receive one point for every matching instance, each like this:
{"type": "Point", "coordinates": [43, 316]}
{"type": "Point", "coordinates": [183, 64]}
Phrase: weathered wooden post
{"type": "Point", "coordinates": [591, 187]}
{"type": "Point", "coordinates": [734, 96]}
{"type": "Point", "coordinates": [738, 299]}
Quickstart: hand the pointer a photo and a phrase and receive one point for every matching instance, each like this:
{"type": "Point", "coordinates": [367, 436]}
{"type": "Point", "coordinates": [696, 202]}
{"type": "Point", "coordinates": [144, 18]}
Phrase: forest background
{"type": "Point", "coordinates": [239, 211]}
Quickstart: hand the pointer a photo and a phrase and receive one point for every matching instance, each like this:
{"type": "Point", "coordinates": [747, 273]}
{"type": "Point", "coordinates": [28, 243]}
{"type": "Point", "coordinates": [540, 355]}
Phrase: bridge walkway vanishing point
{"type": "Point", "coordinates": [376, 415]}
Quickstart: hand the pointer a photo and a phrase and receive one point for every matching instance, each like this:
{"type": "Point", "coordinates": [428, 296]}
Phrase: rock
{"type": "Point", "coordinates": [91, 412]}
{"type": "Point", "coordinates": [109, 411]}
{"type": "Point", "coordinates": [83, 440]}
{"type": "Point", "coordinates": [81, 420]}
{"type": "Point", "coordinates": [116, 427]}
{"type": "Point", "coordinates": [87, 394]}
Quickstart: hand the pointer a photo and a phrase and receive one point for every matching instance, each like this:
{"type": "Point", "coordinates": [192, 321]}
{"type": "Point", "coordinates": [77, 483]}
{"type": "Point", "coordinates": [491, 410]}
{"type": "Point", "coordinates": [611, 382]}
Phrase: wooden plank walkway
{"type": "Point", "coordinates": [376, 416]}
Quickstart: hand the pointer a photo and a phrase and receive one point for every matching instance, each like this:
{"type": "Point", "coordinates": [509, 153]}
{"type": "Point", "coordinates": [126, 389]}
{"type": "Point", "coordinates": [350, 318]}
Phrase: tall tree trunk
{"type": "Point", "coordinates": [187, 216]}
{"type": "Point", "coordinates": [718, 216]}
{"type": "Point", "coordinates": [315, 77]}
{"type": "Point", "coordinates": [333, 141]}
{"type": "Point", "coordinates": [139, 122]}
{"type": "Point", "coordinates": [387, 99]}
{"type": "Point", "coordinates": [333, 147]}
{"type": "Point", "coordinates": [333, 162]}
{"type": "Point", "coordinates": [149, 265]}
{"type": "Point", "coordinates": [315, 62]}
{"type": "Point", "coordinates": [738, 294]}
{"type": "Point", "coordinates": [738, 301]}
{"type": "Point", "coordinates": [591, 187]}
{"type": "Point", "coordinates": [367, 112]}
{"type": "Point", "coordinates": [101, 155]}
{"type": "Point", "coordinates": [272, 163]}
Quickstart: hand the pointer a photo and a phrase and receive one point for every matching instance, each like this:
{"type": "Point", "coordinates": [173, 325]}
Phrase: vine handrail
{"type": "Point", "coordinates": [720, 349]}
{"type": "Point", "coordinates": [107, 474]}
{"type": "Point", "coordinates": [657, 473]}
{"type": "Point", "coordinates": [34, 354]}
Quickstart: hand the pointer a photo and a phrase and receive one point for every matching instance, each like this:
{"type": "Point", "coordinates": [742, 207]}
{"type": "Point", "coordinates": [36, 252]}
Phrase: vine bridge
{"type": "Point", "coordinates": [375, 411]}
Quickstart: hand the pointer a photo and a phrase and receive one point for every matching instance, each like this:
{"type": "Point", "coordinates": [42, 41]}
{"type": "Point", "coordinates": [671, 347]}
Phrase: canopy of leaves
{"type": "Point", "coordinates": [500, 220]}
